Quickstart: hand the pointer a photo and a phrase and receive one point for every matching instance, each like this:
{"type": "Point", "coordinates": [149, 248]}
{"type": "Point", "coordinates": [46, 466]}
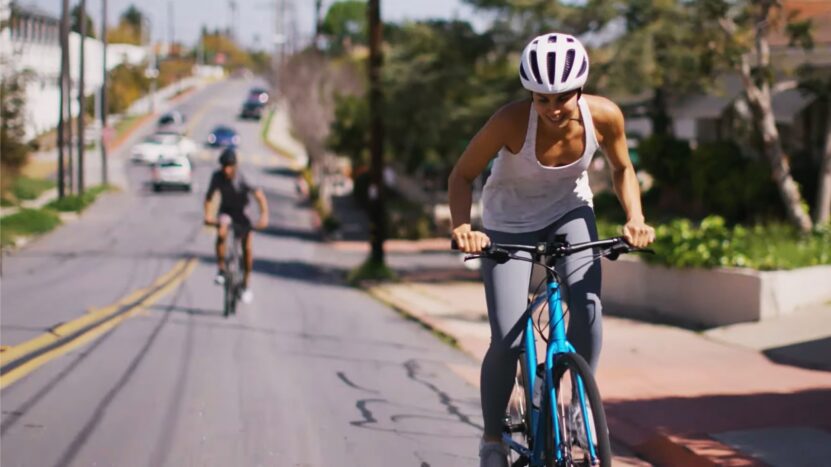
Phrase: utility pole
{"type": "Point", "coordinates": [62, 97]}
{"type": "Point", "coordinates": [377, 228]}
{"type": "Point", "coordinates": [318, 19]}
{"type": "Point", "coordinates": [70, 179]}
{"type": "Point", "coordinates": [170, 28]}
{"type": "Point", "coordinates": [81, 97]}
{"type": "Point", "coordinates": [104, 178]}
{"type": "Point", "coordinates": [232, 5]}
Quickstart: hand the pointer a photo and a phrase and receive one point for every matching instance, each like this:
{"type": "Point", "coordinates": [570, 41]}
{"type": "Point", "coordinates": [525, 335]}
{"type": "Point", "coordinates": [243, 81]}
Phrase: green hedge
{"type": "Point", "coordinates": [712, 243]}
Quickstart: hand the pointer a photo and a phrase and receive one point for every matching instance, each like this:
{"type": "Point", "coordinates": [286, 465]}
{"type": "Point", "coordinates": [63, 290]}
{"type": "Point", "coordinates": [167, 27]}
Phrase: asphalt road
{"type": "Point", "coordinates": [312, 373]}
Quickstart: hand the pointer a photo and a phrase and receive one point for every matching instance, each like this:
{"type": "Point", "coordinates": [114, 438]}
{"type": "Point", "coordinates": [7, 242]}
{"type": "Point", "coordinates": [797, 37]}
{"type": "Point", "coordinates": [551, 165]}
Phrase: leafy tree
{"type": "Point", "coordinates": [134, 17]}
{"type": "Point", "coordinates": [75, 17]}
{"type": "Point", "coordinates": [13, 149]}
{"type": "Point", "coordinates": [441, 85]}
{"type": "Point", "coordinates": [746, 26]}
{"type": "Point", "coordinates": [218, 42]}
{"type": "Point", "coordinates": [346, 24]}
{"type": "Point", "coordinates": [818, 83]}
{"type": "Point", "coordinates": [129, 29]}
{"type": "Point", "coordinates": [127, 83]}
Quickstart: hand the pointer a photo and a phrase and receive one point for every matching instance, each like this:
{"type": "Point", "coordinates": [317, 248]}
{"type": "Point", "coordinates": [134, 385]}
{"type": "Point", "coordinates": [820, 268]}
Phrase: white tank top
{"type": "Point", "coordinates": [523, 195]}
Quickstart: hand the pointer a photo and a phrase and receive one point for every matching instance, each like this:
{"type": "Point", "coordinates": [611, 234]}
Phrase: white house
{"type": "Point", "coordinates": [31, 44]}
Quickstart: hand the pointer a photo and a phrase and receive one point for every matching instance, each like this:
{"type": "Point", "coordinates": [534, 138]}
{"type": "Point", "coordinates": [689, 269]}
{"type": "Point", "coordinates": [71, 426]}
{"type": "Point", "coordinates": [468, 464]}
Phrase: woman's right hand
{"type": "Point", "coordinates": [468, 240]}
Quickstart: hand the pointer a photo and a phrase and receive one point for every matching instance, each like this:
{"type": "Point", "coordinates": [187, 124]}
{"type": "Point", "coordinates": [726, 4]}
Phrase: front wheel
{"type": "Point", "coordinates": [518, 414]}
{"type": "Point", "coordinates": [229, 299]}
{"type": "Point", "coordinates": [578, 446]}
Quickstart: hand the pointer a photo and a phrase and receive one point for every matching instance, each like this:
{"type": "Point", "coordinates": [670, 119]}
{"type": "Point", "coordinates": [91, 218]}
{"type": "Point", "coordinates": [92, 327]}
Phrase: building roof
{"type": "Point", "coordinates": [818, 11]}
{"type": "Point", "coordinates": [788, 104]}
{"type": "Point", "coordinates": [32, 11]}
{"type": "Point", "coordinates": [710, 105]}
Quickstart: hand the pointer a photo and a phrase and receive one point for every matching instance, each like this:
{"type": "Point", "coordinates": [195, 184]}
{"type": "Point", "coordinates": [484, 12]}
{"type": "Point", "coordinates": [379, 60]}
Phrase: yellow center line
{"type": "Point", "coordinates": [182, 268]}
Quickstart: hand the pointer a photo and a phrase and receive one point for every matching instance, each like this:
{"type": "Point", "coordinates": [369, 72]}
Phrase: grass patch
{"type": "Point", "coordinates": [370, 271]}
{"type": "Point", "coordinates": [6, 203]}
{"type": "Point", "coordinates": [77, 203]}
{"type": "Point", "coordinates": [26, 188]}
{"type": "Point", "coordinates": [126, 123]}
{"type": "Point", "coordinates": [27, 222]}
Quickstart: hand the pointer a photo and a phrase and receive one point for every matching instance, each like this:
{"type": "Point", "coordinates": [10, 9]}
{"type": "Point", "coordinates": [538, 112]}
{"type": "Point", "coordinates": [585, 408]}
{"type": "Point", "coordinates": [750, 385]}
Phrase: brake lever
{"type": "Point", "coordinates": [499, 255]}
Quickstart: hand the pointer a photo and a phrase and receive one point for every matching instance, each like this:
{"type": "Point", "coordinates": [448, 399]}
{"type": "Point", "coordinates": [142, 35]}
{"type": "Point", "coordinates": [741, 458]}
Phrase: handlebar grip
{"type": "Point", "coordinates": [454, 245]}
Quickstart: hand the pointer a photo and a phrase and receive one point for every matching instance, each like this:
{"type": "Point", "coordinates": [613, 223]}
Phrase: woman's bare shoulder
{"type": "Point", "coordinates": [605, 113]}
{"type": "Point", "coordinates": [512, 118]}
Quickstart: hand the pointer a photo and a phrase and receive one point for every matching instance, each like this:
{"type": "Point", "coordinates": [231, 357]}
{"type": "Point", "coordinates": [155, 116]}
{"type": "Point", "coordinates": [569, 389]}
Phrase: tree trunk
{"type": "Point", "coordinates": [780, 167]}
{"type": "Point", "coordinates": [822, 210]}
{"type": "Point", "coordinates": [661, 121]}
{"type": "Point", "coordinates": [760, 100]}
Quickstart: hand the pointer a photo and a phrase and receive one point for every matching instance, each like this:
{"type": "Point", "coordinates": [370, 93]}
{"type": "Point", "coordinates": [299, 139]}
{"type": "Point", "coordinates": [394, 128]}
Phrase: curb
{"type": "Point", "coordinates": [426, 322]}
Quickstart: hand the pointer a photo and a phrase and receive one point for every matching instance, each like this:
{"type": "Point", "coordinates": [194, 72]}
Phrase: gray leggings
{"type": "Point", "coordinates": [506, 290]}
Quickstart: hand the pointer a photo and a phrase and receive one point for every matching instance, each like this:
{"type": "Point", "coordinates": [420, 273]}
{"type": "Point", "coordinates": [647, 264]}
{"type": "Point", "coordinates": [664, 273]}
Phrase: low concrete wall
{"type": "Point", "coordinates": [709, 297]}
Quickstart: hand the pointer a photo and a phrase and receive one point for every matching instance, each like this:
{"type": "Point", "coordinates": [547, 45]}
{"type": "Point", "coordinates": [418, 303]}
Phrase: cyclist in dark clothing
{"type": "Point", "coordinates": [234, 190]}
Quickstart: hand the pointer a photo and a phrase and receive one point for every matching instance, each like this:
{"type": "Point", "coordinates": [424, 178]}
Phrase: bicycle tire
{"type": "Point", "coordinates": [228, 295]}
{"type": "Point", "coordinates": [519, 411]}
{"type": "Point", "coordinates": [231, 271]}
{"type": "Point", "coordinates": [575, 364]}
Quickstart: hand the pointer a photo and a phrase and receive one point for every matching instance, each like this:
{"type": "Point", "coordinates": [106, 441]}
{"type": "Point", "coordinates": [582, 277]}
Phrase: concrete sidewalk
{"type": "Point", "coordinates": [673, 396]}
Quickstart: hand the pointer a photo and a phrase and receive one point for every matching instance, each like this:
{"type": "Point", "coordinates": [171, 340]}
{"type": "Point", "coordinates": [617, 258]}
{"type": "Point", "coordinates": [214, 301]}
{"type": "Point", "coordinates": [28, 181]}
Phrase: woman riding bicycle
{"type": "Point", "coordinates": [539, 188]}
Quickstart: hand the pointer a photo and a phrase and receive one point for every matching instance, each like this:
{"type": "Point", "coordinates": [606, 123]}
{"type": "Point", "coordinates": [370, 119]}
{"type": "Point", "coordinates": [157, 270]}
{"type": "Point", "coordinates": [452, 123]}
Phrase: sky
{"type": "Point", "coordinates": [255, 18]}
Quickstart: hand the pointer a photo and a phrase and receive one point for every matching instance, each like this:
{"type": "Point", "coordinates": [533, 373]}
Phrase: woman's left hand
{"type": "Point", "coordinates": [638, 233]}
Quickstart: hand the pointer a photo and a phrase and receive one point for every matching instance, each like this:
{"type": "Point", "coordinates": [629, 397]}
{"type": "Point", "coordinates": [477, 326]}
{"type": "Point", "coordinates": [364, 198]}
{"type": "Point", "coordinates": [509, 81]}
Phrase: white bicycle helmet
{"type": "Point", "coordinates": [554, 63]}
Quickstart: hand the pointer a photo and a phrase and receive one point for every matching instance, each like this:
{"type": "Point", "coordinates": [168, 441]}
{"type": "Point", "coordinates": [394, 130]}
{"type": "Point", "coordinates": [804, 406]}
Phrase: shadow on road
{"type": "Point", "coordinates": [281, 172]}
{"type": "Point", "coordinates": [282, 231]}
{"type": "Point", "coordinates": [721, 413]}
{"type": "Point", "coordinates": [813, 355]}
{"type": "Point", "coordinates": [186, 310]}
{"type": "Point", "coordinates": [293, 270]}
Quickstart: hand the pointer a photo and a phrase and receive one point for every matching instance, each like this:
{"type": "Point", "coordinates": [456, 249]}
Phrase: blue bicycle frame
{"type": "Point", "coordinates": [558, 344]}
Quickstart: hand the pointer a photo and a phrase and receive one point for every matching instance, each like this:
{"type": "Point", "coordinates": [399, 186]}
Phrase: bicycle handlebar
{"type": "Point", "coordinates": [559, 248]}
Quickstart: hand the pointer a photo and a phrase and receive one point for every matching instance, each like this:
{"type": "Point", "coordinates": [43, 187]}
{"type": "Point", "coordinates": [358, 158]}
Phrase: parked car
{"type": "Point", "coordinates": [252, 109]}
{"type": "Point", "coordinates": [173, 172]}
{"type": "Point", "coordinates": [172, 122]}
{"type": "Point", "coordinates": [223, 136]}
{"type": "Point", "coordinates": [258, 94]}
{"type": "Point", "coordinates": [162, 145]}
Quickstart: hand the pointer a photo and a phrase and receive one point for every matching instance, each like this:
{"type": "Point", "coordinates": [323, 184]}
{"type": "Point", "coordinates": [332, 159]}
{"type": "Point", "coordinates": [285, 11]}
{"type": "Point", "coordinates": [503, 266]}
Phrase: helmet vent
{"type": "Point", "coordinates": [583, 68]}
{"type": "Point", "coordinates": [552, 60]}
{"type": "Point", "coordinates": [569, 39]}
{"type": "Point", "coordinates": [569, 63]}
{"type": "Point", "coordinates": [552, 38]}
{"type": "Point", "coordinates": [522, 72]}
{"type": "Point", "coordinates": [535, 69]}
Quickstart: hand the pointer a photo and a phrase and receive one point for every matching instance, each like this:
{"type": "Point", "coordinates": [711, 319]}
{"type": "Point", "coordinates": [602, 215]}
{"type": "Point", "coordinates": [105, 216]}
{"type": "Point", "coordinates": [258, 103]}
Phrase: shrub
{"type": "Point", "coordinates": [713, 243]}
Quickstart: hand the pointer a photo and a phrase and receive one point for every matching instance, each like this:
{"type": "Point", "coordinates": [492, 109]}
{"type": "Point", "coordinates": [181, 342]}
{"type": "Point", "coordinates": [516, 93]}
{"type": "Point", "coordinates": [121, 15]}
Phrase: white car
{"type": "Point", "coordinates": [162, 145]}
{"type": "Point", "coordinates": [172, 172]}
